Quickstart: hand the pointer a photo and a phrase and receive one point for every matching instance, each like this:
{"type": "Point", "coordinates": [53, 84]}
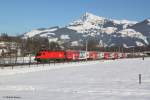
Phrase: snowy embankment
{"type": "Point", "coordinates": [41, 67]}
{"type": "Point", "coordinates": [97, 80]}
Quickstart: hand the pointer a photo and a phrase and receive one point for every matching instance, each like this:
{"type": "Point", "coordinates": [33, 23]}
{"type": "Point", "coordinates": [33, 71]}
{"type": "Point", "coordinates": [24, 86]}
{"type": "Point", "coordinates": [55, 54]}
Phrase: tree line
{"type": "Point", "coordinates": [33, 45]}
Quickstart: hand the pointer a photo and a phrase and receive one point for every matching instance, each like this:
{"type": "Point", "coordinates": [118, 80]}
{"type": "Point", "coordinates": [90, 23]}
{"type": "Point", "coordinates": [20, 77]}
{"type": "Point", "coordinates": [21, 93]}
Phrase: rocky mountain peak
{"type": "Point", "coordinates": [90, 17]}
{"type": "Point", "coordinates": [147, 21]}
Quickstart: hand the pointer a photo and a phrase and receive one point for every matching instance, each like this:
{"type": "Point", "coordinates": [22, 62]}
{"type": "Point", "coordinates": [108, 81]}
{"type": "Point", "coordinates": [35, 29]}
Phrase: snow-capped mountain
{"type": "Point", "coordinates": [43, 32]}
{"type": "Point", "coordinates": [90, 21]}
{"type": "Point", "coordinates": [108, 32]}
{"type": "Point", "coordinates": [143, 27]}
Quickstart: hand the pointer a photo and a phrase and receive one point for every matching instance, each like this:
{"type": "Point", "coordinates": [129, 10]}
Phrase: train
{"type": "Point", "coordinates": [76, 55]}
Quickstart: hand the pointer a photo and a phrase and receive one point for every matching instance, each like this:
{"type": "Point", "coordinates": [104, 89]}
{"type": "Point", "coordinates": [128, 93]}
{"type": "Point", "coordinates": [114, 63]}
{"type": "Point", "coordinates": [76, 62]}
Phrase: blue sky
{"type": "Point", "coordinates": [19, 16]}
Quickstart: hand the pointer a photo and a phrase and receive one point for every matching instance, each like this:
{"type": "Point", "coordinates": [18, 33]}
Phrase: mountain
{"type": "Point", "coordinates": [108, 32]}
{"type": "Point", "coordinates": [143, 27]}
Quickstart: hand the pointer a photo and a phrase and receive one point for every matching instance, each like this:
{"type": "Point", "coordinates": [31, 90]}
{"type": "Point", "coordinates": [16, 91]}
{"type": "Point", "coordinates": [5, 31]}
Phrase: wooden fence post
{"type": "Point", "coordinates": [140, 78]}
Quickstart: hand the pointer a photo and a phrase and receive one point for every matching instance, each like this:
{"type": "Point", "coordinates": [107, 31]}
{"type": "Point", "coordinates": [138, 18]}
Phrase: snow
{"type": "Point", "coordinates": [47, 34]}
{"type": "Point", "coordinates": [82, 28]}
{"type": "Point", "coordinates": [133, 34]}
{"type": "Point", "coordinates": [109, 30]}
{"type": "Point", "coordinates": [64, 37]}
{"type": "Point", "coordinates": [95, 80]}
{"type": "Point", "coordinates": [148, 22]}
{"type": "Point", "coordinates": [130, 33]}
{"type": "Point", "coordinates": [86, 22]}
{"type": "Point", "coordinates": [91, 17]}
{"type": "Point", "coordinates": [124, 22]}
{"type": "Point", "coordinates": [139, 43]}
{"type": "Point", "coordinates": [90, 21]}
{"type": "Point", "coordinates": [125, 45]}
{"type": "Point", "coordinates": [32, 33]}
{"type": "Point", "coordinates": [52, 39]}
{"type": "Point", "coordinates": [36, 32]}
{"type": "Point", "coordinates": [38, 67]}
{"type": "Point", "coordinates": [74, 43]}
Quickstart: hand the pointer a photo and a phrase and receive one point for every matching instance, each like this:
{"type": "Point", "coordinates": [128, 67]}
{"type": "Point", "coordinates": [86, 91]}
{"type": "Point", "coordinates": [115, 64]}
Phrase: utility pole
{"type": "Point", "coordinates": [86, 44]}
{"type": "Point", "coordinates": [86, 48]}
{"type": "Point", "coordinates": [133, 52]}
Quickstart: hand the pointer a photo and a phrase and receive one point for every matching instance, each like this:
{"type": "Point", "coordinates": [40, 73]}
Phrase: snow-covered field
{"type": "Point", "coordinates": [96, 80]}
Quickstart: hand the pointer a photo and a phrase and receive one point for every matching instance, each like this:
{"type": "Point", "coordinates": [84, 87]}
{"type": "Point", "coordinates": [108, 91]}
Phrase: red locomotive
{"type": "Point", "coordinates": [50, 55]}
